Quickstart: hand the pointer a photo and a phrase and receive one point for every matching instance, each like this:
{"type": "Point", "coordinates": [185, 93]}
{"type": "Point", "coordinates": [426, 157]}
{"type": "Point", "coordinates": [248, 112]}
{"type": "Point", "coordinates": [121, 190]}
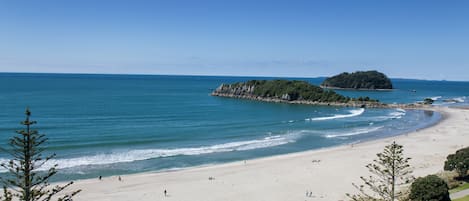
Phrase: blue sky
{"type": "Point", "coordinates": [407, 39]}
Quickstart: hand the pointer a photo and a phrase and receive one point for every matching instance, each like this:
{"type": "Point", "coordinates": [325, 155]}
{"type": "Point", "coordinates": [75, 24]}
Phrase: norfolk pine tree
{"type": "Point", "coordinates": [458, 161]}
{"type": "Point", "coordinates": [23, 179]}
{"type": "Point", "coordinates": [390, 170]}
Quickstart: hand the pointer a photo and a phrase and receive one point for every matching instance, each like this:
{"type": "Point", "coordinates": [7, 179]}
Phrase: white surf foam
{"type": "Point", "coordinates": [358, 131]}
{"type": "Point", "coordinates": [400, 110]}
{"type": "Point", "coordinates": [435, 98]}
{"type": "Point", "coordinates": [460, 99]}
{"type": "Point", "coordinates": [395, 114]}
{"type": "Point", "coordinates": [353, 113]}
{"type": "Point", "coordinates": [145, 154]}
{"type": "Point", "coordinates": [450, 101]}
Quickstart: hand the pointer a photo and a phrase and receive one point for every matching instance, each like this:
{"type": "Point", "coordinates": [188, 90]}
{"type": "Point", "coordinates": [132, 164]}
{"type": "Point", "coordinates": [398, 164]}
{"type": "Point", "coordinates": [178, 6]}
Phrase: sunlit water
{"type": "Point", "coordinates": [119, 124]}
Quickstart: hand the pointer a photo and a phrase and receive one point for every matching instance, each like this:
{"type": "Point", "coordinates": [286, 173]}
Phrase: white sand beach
{"type": "Point", "coordinates": [328, 173]}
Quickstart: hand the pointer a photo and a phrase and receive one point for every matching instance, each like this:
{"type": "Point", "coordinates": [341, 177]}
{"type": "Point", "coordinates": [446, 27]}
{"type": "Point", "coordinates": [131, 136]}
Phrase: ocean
{"type": "Point", "coordinates": [121, 124]}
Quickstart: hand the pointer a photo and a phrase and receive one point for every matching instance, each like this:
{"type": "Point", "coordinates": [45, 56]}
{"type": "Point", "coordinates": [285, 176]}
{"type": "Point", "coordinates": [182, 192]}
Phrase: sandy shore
{"type": "Point", "coordinates": [286, 177]}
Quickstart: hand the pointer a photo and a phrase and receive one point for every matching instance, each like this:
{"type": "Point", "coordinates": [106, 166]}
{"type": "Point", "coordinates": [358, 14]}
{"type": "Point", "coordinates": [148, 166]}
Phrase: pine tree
{"type": "Point", "coordinates": [24, 180]}
{"type": "Point", "coordinates": [389, 171]}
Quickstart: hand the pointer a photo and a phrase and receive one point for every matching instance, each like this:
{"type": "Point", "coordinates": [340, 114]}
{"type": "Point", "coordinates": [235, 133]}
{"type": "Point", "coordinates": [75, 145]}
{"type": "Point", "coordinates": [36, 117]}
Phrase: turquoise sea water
{"type": "Point", "coordinates": [120, 124]}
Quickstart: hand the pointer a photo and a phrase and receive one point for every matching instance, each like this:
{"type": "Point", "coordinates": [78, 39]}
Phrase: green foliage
{"type": "Point", "coordinates": [390, 170]}
{"type": "Point", "coordinates": [429, 188]}
{"type": "Point", "coordinates": [296, 90]}
{"type": "Point", "coordinates": [359, 80]}
{"type": "Point", "coordinates": [449, 178]}
{"type": "Point", "coordinates": [458, 161]}
{"type": "Point", "coordinates": [24, 181]}
{"type": "Point", "coordinates": [366, 99]}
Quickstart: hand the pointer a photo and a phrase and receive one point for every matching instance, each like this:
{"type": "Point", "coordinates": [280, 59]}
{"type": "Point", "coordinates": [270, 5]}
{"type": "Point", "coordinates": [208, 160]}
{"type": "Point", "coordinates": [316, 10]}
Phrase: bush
{"type": "Point", "coordinates": [449, 178]}
{"type": "Point", "coordinates": [429, 188]}
{"type": "Point", "coordinates": [458, 161]}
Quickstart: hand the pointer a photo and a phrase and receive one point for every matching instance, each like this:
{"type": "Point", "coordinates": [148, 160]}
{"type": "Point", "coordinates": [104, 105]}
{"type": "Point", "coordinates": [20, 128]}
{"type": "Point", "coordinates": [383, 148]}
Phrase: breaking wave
{"type": "Point", "coordinates": [353, 113]}
{"type": "Point", "coordinates": [435, 98]}
{"type": "Point", "coordinates": [358, 131]}
{"type": "Point", "coordinates": [460, 99]}
{"type": "Point", "coordinates": [145, 154]}
{"type": "Point", "coordinates": [395, 114]}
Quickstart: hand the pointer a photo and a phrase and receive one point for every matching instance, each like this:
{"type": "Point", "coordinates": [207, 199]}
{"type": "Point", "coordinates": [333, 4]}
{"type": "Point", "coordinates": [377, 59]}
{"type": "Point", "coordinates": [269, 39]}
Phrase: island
{"type": "Point", "coordinates": [300, 92]}
{"type": "Point", "coordinates": [290, 91]}
{"type": "Point", "coordinates": [360, 80]}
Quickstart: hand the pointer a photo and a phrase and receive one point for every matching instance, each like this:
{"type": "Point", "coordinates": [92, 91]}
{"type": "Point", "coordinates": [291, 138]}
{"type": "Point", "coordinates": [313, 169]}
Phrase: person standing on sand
{"type": "Point", "coordinates": [165, 192]}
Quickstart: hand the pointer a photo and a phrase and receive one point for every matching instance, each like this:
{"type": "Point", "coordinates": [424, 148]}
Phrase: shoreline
{"type": "Point", "coordinates": [361, 104]}
{"type": "Point", "coordinates": [353, 89]}
{"type": "Point", "coordinates": [411, 129]}
{"type": "Point", "coordinates": [287, 176]}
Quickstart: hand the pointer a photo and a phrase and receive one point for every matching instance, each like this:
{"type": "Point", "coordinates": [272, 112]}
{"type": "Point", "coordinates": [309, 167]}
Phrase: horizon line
{"type": "Point", "coordinates": [206, 75]}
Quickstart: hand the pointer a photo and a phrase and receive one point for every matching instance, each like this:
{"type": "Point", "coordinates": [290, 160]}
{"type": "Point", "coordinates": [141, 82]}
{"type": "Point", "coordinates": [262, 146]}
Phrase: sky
{"type": "Point", "coordinates": [291, 38]}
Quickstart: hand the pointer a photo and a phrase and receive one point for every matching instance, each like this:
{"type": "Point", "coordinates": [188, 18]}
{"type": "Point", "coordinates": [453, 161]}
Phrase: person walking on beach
{"type": "Point", "coordinates": [165, 192]}
{"type": "Point", "coordinates": [120, 179]}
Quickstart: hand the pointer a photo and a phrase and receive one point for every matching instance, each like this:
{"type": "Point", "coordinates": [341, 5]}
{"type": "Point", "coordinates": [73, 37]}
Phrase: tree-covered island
{"type": "Point", "coordinates": [288, 91]}
{"type": "Point", "coordinates": [360, 80]}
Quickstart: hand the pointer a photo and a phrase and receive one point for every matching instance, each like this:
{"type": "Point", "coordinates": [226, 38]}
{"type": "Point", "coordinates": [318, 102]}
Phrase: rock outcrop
{"type": "Point", "coordinates": [297, 92]}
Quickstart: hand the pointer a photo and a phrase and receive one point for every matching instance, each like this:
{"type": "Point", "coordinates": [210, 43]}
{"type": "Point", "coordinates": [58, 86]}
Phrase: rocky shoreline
{"type": "Point", "coordinates": [245, 92]}
{"type": "Point", "coordinates": [354, 89]}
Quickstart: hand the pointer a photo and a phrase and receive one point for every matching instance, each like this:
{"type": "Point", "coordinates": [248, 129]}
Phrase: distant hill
{"type": "Point", "coordinates": [360, 80]}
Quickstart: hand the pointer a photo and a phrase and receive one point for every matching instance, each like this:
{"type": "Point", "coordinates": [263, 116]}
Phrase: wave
{"type": "Point", "coordinates": [145, 154]}
{"type": "Point", "coordinates": [435, 98]}
{"type": "Point", "coordinates": [289, 121]}
{"type": "Point", "coordinates": [450, 101]}
{"type": "Point", "coordinates": [400, 110]}
{"type": "Point", "coordinates": [355, 132]}
{"type": "Point", "coordinates": [460, 99]}
{"type": "Point", "coordinates": [396, 114]}
{"type": "Point", "coordinates": [353, 113]}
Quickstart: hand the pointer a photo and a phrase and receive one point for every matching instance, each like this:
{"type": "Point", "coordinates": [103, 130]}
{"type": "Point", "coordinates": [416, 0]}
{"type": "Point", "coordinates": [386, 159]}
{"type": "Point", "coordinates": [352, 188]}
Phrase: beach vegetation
{"type": "Point", "coordinates": [25, 179]}
{"type": "Point", "coordinates": [458, 162]}
{"type": "Point", "coordinates": [450, 178]}
{"type": "Point", "coordinates": [371, 80]}
{"type": "Point", "coordinates": [429, 188]}
{"type": "Point", "coordinates": [389, 171]}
